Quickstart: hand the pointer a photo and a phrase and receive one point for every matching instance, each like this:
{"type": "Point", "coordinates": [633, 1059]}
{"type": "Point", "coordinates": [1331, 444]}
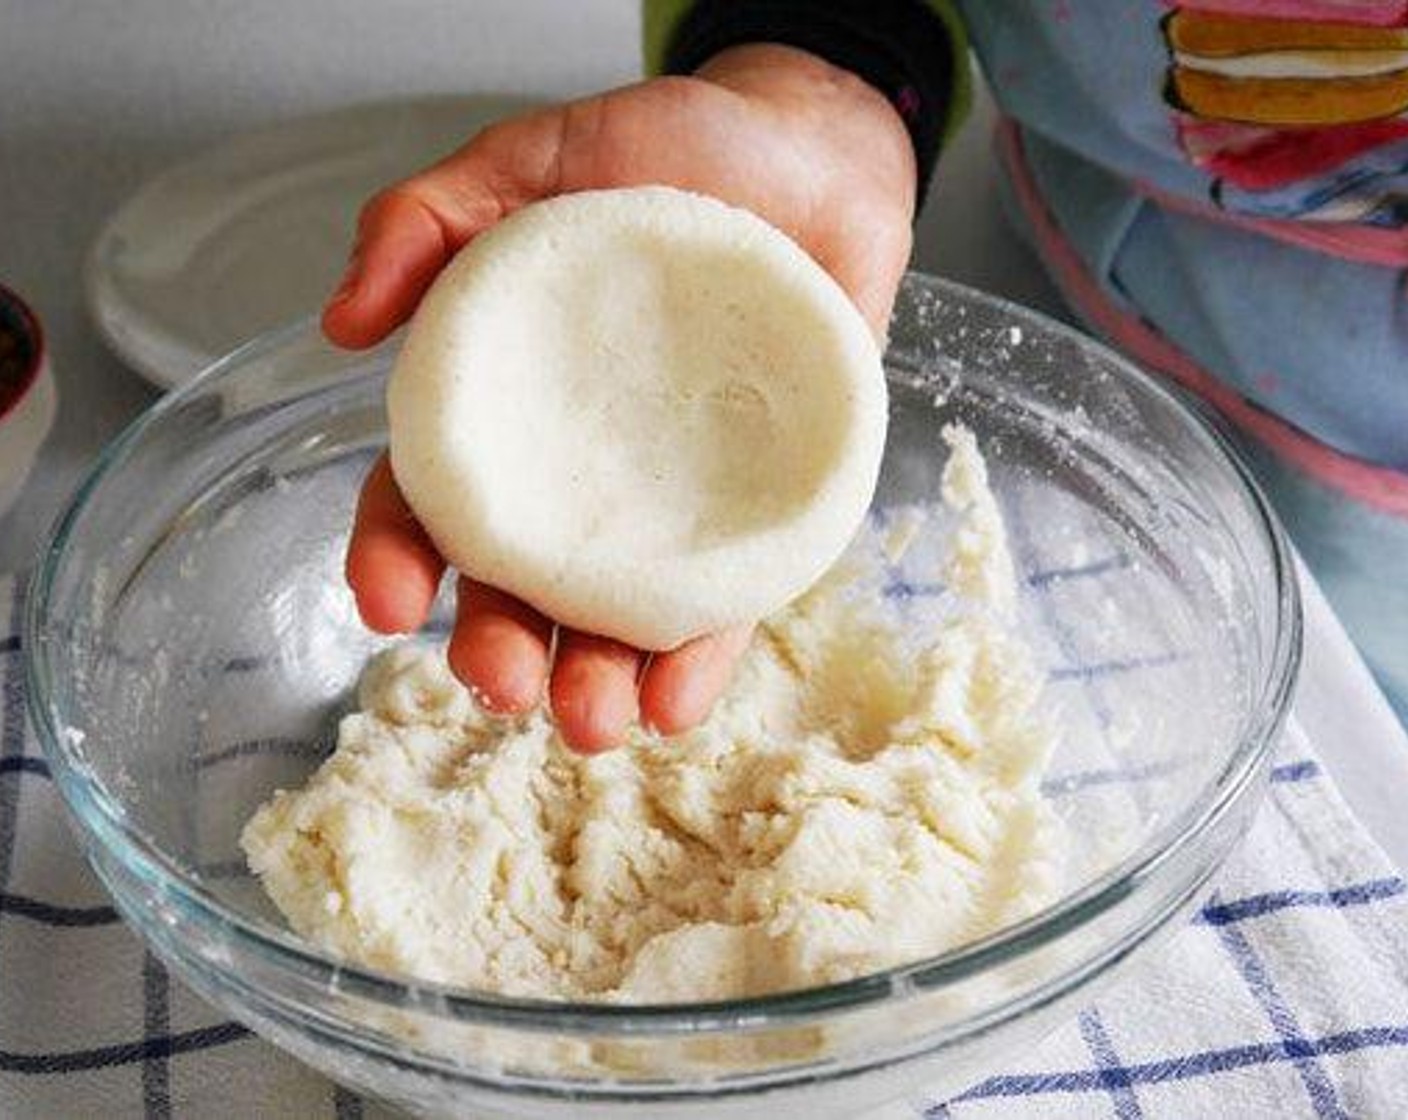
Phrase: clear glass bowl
{"type": "Point", "coordinates": [190, 644]}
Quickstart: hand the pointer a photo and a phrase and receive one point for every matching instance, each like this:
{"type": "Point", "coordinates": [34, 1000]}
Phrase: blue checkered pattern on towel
{"type": "Point", "coordinates": [1286, 996]}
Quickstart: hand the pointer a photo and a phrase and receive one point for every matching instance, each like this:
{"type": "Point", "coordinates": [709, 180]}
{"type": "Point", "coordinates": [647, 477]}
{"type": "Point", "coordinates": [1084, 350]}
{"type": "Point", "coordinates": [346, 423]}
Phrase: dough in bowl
{"type": "Point", "coordinates": [866, 794]}
{"type": "Point", "coordinates": [647, 413]}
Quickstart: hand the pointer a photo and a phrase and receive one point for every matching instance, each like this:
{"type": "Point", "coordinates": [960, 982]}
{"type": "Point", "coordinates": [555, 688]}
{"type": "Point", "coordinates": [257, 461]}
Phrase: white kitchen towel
{"type": "Point", "coordinates": [1286, 996]}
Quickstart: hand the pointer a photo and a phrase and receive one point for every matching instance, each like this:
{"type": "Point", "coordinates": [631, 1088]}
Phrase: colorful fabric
{"type": "Point", "coordinates": [1135, 274]}
{"type": "Point", "coordinates": [1319, 341]}
{"type": "Point", "coordinates": [1293, 111]}
{"type": "Point", "coordinates": [1290, 109]}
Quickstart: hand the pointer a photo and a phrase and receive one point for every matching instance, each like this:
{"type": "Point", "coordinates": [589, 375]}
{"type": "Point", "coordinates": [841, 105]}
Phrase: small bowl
{"type": "Point", "coordinates": [28, 399]}
{"type": "Point", "coordinates": [190, 643]}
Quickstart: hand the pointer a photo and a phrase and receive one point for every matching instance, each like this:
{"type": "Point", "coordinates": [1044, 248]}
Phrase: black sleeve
{"type": "Point", "coordinates": [901, 47]}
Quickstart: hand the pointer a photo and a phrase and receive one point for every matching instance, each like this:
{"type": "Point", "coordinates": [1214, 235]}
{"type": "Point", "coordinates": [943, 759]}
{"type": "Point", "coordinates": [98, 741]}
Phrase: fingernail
{"type": "Point", "coordinates": [348, 284]}
{"type": "Point", "coordinates": [339, 297]}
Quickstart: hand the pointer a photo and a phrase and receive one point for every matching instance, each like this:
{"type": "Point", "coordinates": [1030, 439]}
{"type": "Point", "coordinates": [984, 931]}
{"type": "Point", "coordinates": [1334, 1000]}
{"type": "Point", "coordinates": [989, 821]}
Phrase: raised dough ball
{"type": "Point", "coordinates": [647, 413]}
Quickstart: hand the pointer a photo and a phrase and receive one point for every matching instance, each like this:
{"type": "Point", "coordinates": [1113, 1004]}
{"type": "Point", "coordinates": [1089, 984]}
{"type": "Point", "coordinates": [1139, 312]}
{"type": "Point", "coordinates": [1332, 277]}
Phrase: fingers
{"type": "Point", "coordinates": [409, 232]}
{"type": "Point", "coordinates": [501, 648]}
{"type": "Point", "coordinates": [593, 690]}
{"type": "Point", "coordinates": [680, 687]}
{"type": "Point", "coordinates": [402, 243]}
{"type": "Point", "coordinates": [392, 566]}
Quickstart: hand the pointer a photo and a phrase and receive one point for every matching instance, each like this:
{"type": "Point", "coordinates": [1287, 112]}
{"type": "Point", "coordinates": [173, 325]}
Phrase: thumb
{"type": "Point", "coordinates": [870, 271]}
{"type": "Point", "coordinates": [408, 232]}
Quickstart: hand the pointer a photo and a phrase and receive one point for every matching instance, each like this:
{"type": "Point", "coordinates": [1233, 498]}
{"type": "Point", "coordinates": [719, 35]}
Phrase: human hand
{"type": "Point", "coordinates": [809, 147]}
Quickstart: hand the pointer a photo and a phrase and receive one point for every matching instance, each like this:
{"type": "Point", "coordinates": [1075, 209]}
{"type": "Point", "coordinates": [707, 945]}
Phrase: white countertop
{"type": "Point", "coordinates": [95, 99]}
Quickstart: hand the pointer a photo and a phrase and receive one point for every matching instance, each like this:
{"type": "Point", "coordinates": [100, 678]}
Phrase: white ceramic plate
{"type": "Point", "coordinates": [254, 232]}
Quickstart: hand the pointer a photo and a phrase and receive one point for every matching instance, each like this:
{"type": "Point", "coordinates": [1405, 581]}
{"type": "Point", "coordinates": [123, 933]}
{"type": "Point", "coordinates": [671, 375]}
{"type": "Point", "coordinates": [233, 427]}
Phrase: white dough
{"type": "Point", "coordinates": [866, 794]}
{"type": "Point", "coordinates": [646, 413]}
